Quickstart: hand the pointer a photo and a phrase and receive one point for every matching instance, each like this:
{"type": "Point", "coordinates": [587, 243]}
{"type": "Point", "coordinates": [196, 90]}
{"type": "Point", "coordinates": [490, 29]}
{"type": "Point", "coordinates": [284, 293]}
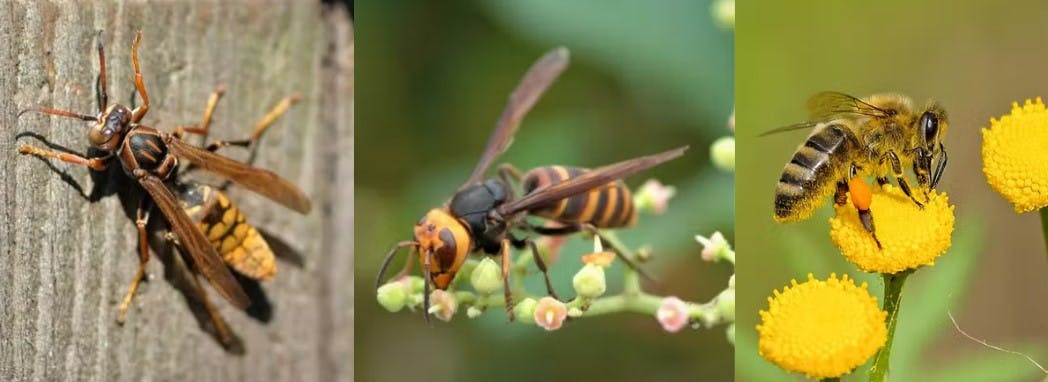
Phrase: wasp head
{"type": "Point", "coordinates": [110, 127]}
{"type": "Point", "coordinates": [443, 244]}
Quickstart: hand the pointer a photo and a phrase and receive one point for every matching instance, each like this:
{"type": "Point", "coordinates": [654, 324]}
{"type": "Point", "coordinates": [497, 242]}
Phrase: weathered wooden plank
{"type": "Point", "coordinates": [66, 260]}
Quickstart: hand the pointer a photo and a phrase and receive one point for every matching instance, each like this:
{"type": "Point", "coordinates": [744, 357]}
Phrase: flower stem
{"type": "Point", "coordinates": [892, 298]}
{"type": "Point", "coordinates": [1044, 226]}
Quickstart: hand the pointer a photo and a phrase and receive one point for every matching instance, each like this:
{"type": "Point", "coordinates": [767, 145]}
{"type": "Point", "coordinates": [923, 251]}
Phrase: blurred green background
{"type": "Point", "coordinates": [976, 58]}
{"type": "Point", "coordinates": [433, 78]}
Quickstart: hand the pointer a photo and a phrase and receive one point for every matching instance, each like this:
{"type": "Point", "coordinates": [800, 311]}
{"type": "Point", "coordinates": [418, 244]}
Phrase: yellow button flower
{"type": "Point", "coordinates": [823, 329]}
{"type": "Point", "coordinates": [1014, 157]}
{"type": "Point", "coordinates": [910, 236]}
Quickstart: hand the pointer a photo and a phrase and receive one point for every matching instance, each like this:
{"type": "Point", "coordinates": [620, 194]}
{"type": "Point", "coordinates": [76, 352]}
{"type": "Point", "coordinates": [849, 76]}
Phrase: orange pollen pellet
{"type": "Point", "coordinates": [861, 194]}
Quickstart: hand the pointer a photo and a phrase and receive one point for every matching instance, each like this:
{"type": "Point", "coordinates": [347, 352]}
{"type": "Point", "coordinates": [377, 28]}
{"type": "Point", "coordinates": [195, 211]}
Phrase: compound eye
{"type": "Point", "coordinates": [929, 126]}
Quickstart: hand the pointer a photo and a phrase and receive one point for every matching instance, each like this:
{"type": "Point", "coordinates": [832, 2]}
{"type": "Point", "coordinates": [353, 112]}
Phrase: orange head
{"type": "Point", "coordinates": [443, 244]}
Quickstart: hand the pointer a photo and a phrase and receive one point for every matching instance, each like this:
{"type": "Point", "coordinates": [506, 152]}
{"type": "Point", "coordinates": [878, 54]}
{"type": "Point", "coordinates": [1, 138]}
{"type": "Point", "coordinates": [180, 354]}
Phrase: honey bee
{"type": "Point", "coordinates": [874, 136]}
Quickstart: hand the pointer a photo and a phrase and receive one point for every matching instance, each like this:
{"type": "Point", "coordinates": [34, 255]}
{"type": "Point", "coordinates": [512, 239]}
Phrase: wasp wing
{"type": "Point", "coordinates": [261, 181]}
{"type": "Point", "coordinates": [535, 82]}
{"type": "Point", "coordinates": [588, 181]}
{"type": "Point", "coordinates": [196, 244]}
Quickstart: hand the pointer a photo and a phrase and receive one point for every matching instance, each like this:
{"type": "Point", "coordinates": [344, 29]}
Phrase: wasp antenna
{"type": "Point", "coordinates": [389, 258]}
{"type": "Point", "coordinates": [58, 112]}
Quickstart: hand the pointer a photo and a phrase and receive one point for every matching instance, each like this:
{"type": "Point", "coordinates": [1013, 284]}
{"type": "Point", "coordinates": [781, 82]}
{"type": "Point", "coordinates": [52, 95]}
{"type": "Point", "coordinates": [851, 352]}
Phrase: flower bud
{"type": "Point", "coordinates": [672, 314]}
{"type": "Point", "coordinates": [715, 247]}
{"type": "Point", "coordinates": [392, 296]}
{"type": "Point", "coordinates": [487, 277]}
{"type": "Point", "coordinates": [724, 13]}
{"type": "Point", "coordinates": [442, 304]}
{"type": "Point", "coordinates": [726, 305]}
{"type": "Point", "coordinates": [653, 197]}
{"type": "Point", "coordinates": [525, 310]}
{"type": "Point", "coordinates": [473, 312]}
{"type": "Point", "coordinates": [550, 313]}
{"type": "Point", "coordinates": [589, 281]}
{"type": "Point", "coordinates": [722, 153]}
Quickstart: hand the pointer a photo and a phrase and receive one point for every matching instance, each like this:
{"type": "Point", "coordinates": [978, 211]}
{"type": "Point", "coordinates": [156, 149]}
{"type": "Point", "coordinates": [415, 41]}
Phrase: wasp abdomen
{"type": "Point", "coordinates": [241, 245]}
{"type": "Point", "coordinates": [607, 206]}
{"type": "Point", "coordinates": [813, 172]}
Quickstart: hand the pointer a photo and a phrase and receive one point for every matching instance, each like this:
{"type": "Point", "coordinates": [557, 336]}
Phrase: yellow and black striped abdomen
{"type": "Point", "coordinates": [241, 245]}
{"type": "Point", "coordinates": [812, 174]}
{"type": "Point", "coordinates": [607, 206]}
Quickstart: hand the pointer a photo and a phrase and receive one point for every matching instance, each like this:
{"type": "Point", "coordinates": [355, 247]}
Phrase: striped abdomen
{"type": "Point", "coordinates": [608, 206]}
{"type": "Point", "coordinates": [239, 243]}
{"type": "Point", "coordinates": [813, 172]}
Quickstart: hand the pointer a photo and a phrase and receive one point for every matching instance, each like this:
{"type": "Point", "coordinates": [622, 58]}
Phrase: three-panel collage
{"type": "Point", "coordinates": [534, 190]}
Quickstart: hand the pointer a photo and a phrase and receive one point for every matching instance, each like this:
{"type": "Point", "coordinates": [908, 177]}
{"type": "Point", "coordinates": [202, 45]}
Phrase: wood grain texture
{"type": "Point", "coordinates": [65, 260]}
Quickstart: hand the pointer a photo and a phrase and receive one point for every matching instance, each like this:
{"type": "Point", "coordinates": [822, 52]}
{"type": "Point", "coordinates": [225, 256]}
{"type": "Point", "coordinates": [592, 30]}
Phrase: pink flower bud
{"type": "Point", "coordinates": [550, 313]}
{"type": "Point", "coordinates": [672, 314]}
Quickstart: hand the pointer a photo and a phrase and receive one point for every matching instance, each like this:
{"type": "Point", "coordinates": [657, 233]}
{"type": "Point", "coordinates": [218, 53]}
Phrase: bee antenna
{"type": "Point", "coordinates": [389, 257]}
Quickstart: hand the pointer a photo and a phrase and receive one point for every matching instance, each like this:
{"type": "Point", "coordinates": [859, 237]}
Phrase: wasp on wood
{"type": "Point", "coordinates": [151, 158]}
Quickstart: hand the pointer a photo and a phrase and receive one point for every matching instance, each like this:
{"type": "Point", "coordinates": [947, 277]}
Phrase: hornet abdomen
{"type": "Point", "coordinates": [607, 206]}
{"type": "Point", "coordinates": [240, 244]}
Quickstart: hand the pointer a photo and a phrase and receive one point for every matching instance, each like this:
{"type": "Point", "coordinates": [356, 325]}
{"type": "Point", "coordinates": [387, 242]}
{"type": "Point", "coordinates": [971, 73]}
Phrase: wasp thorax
{"type": "Point", "coordinates": [443, 244]}
{"type": "Point", "coordinates": [110, 127]}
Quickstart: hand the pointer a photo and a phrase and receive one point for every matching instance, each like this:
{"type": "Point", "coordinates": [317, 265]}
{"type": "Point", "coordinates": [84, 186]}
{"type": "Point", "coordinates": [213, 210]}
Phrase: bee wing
{"type": "Point", "coordinates": [535, 82]}
{"type": "Point", "coordinates": [196, 244]}
{"type": "Point", "coordinates": [261, 181]}
{"type": "Point", "coordinates": [796, 126]}
{"type": "Point", "coordinates": [827, 105]}
{"type": "Point", "coordinates": [588, 181]}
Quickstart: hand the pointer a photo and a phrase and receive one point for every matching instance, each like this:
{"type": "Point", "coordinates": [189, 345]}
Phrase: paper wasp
{"type": "Point", "coordinates": [151, 157]}
{"type": "Point", "coordinates": [480, 216]}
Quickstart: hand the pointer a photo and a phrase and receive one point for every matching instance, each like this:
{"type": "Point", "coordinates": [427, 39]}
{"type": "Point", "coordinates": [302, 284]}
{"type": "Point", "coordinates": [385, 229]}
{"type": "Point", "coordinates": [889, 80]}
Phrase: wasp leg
{"type": "Point", "coordinates": [426, 288]}
{"type": "Point", "coordinates": [205, 124]}
{"type": "Point", "coordinates": [101, 93]}
{"type": "Point", "coordinates": [278, 110]}
{"type": "Point", "coordinates": [139, 112]}
{"type": "Point", "coordinates": [867, 222]}
{"type": "Point", "coordinates": [97, 164]}
{"type": "Point", "coordinates": [142, 218]}
{"type": "Point", "coordinates": [505, 279]}
{"type": "Point", "coordinates": [520, 244]}
{"type": "Point", "coordinates": [901, 178]}
{"type": "Point", "coordinates": [625, 254]}
{"type": "Point", "coordinates": [508, 173]}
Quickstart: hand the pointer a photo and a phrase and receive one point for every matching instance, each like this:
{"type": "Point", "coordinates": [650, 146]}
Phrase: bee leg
{"type": "Point", "coordinates": [624, 254]}
{"type": "Point", "coordinates": [97, 164]}
{"type": "Point", "coordinates": [901, 178]}
{"type": "Point", "coordinates": [882, 180]}
{"type": "Point", "coordinates": [538, 262]}
{"type": "Point", "coordinates": [840, 197]}
{"type": "Point", "coordinates": [867, 222]}
{"type": "Point", "coordinates": [505, 280]}
{"type": "Point", "coordinates": [139, 112]}
{"type": "Point", "coordinates": [142, 218]}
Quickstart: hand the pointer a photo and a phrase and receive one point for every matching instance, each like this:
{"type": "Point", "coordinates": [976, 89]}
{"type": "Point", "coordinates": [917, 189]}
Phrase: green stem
{"type": "Point", "coordinates": [892, 298]}
{"type": "Point", "coordinates": [1044, 226]}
